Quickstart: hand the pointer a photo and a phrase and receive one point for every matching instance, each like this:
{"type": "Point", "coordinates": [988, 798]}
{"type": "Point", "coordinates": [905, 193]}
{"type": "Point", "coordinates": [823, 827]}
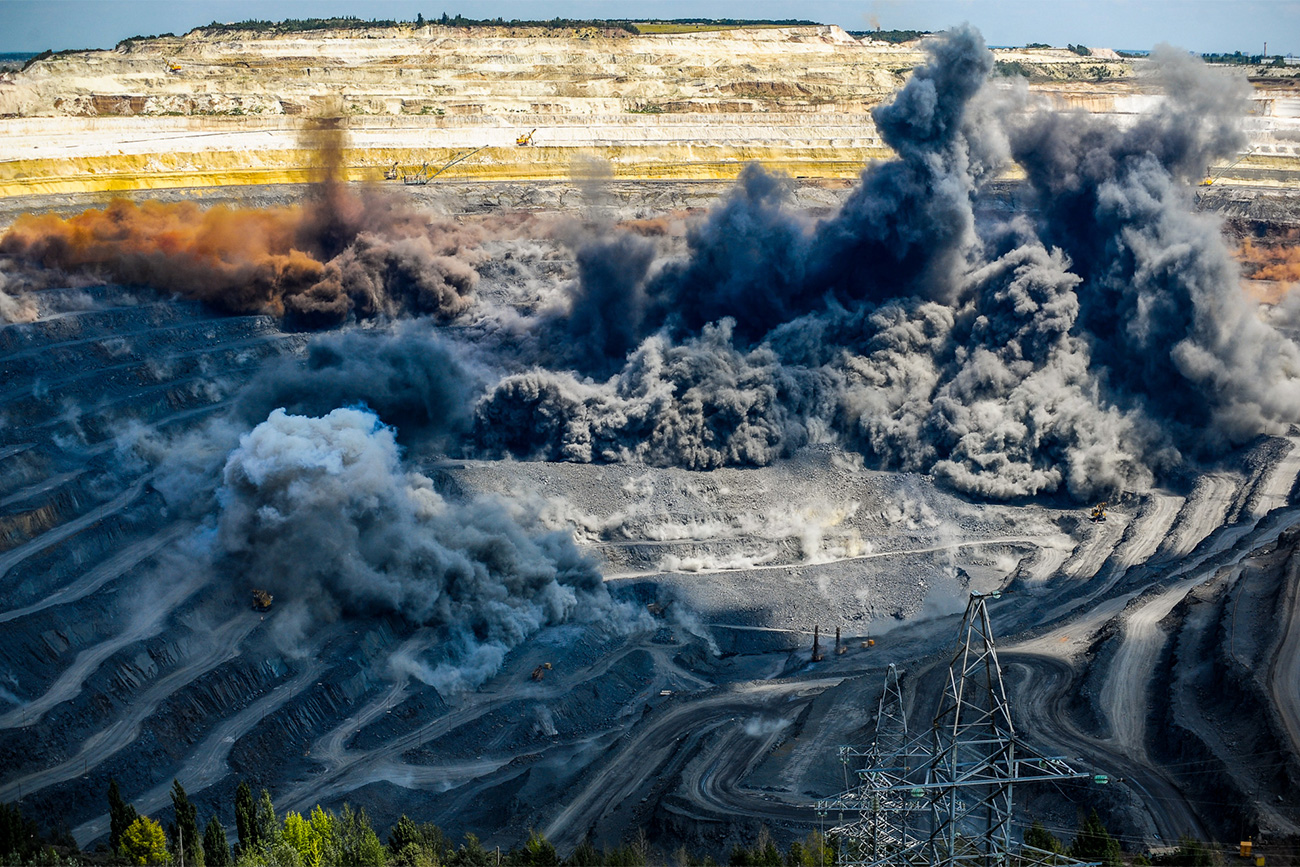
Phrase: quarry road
{"type": "Point", "coordinates": [101, 574]}
{"type": "Point", "coordinates": [1040, 706]}
{"type": "Point", "coordinates": [1226, 546]}
{"type": "Point", "coordinates": [1148, 530]}
{"type": "Point", "coordinates": [343, 770]}
{"type": "Point", "coordinates": [207, 763]}
{"type": "Point", "coordinates": [635, 762]}
{"type": "Point", "coordinates": [223, 644]}
{"type": "Point", "coordinates": [16, 449]}
{"type": "Point", "coordinates": [1203, 512]}
{"type": "Point", "coordinates": [14, 556]}
{"type": "Point", "coordinates": [1141, 537]}
{"type": "Point", "coordinates": [84, 377]}
{"type": "Point", "coordinates": [149, 621]}
{"type": "Point", "coordinates": [1124, 694]}
{"type": "Point", "coordinates": [47, 484]}
{"type": "Point", "coordinates": [874, 555]}
{"type": "Point", "coordinates": [714, 778]}
{"type": "Point", "coordinates": [1284, 678]}
{"type": "Point", "coordinates": [1090, 556]}
{"type": "Point", "coordinates": [1274, 491]}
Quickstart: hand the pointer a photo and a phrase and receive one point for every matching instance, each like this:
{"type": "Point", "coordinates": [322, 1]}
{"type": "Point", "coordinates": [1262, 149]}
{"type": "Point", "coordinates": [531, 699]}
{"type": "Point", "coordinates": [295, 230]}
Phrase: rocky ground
{"type": "Point", "coordinates": [217, 108]}
{"type": "Point", "coordinates": [1157, 647]}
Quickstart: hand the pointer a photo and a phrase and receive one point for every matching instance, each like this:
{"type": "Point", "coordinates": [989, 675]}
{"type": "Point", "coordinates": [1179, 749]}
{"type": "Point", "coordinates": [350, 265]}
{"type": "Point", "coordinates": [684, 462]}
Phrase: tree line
{"type": "Point", "coordinates": [264, 837]}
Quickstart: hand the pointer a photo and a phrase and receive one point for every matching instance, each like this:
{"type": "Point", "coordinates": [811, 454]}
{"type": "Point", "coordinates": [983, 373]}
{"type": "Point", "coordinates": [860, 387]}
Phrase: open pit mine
{"type": "Point", "coordinates": [512, 497]}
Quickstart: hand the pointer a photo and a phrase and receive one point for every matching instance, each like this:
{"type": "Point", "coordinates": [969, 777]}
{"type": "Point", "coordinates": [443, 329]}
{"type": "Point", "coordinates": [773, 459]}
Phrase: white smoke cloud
{"type": "Point", "coordinates": [320, 510]}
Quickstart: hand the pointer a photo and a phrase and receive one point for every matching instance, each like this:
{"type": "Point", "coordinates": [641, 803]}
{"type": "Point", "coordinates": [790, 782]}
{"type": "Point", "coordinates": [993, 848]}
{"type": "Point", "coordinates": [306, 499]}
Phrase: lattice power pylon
{"type": "Point", "coordinates": [944, 797]}
{"type": "Point", "coordinates": [883, 818]}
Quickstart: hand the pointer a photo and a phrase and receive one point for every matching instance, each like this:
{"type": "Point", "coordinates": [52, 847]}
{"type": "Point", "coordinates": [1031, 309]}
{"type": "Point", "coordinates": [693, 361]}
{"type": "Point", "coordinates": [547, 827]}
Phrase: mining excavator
{"type": "Point", "coordinates": [540, 671]}
{"type": "Point", "coordinates": [1098, 513]}
{"type": "Point", "coordinates": [525, 139]}
{"type": "Point", "coordinates": [262, 600]}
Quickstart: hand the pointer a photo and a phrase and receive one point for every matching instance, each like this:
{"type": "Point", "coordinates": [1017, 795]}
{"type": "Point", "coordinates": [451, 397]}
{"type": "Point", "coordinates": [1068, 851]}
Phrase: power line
{"type": "Point", "coordinates": [944, 798]}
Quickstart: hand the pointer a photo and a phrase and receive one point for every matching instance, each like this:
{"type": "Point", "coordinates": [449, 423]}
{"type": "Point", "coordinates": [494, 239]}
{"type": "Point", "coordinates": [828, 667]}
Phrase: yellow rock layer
{"type": "Point", "coordinates": [122, 172]}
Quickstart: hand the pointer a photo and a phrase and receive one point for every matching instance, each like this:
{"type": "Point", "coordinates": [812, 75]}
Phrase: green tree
{"type": "Point", "coordinates": [143, 842]}
{"type": "Point", "coordinates": [265, 821]}
{"type": "Point", "coordinates": [539, 852]}
{"type": "Point", "coordinates": [325, 828]}
{"type": "Point", "coordinates": [1094, 843]}
{"type": "Point", "coordinates": [1041, 838]}
{"type": "Point", "coordinates": [766, 853]}
{"type": "Point", "coordinates": [19, 839]}
{"type": "Point", "coordinates": [358, 842]}
{"type": "Point", "coordinates": [824, 851]}
{"type": "Point", "coordinates": [403, 833]}
{"type": "Point", "coordinates": [627, 855]}
{"type": "Point", "coordinates": [216, 849]}
{"type": "Point", "coordinates": [120, 815]}
{"type": "Point", "coordinates": [245, 818]}
{"type": "Point", "coordinates": [585, 855]}
{"type": "Point", "coordinates": [412, 845]}
{"type": "Point", "coordinates": [414, 855]}
{"type": "Point", "coordinates": [186, 829]}
{"type": "Point", "coordinates": [299, 834]}
{"type": "Point", "coordinates": [275, 853]}
{"type": "Point", "coordinates": [470, 854]}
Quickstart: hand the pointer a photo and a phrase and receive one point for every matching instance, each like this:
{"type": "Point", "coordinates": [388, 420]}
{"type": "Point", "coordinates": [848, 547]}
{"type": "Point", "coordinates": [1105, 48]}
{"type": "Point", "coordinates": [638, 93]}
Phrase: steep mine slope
{"type": "Point", "coordinates": [551, 508]}
{"type": "Point", "coordinates": [230, 106]}
{"type": "Point", "coordinates": [700, 725]}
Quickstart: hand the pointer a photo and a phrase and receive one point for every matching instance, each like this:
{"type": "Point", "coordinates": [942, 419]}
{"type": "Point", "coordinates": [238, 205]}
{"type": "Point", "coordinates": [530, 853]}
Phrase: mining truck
{"type": "Point", "coordinates": [261, 600]}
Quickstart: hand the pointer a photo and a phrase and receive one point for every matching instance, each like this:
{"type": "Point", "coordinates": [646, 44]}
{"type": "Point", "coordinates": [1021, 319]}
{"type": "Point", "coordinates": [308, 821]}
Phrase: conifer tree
{"type": "Point", "coordinates": [1041, 838]}
{"type": "Point", "coordinates": [120, 815]}
{"type": "Point", "coordinates": [358, 841]}
{"type": "Point", "coordinates": [264, 819]}
{"type": "Point", "coordinates": [186, 843]}
{"type": "Point", "coordinates": [216, 850]}
{"type": "Point", "coordinates": [1094, 843]}
{"type": "Point", "coordinates": [245, 818]}
{"type": "Point", "coordinates": [19, 839]}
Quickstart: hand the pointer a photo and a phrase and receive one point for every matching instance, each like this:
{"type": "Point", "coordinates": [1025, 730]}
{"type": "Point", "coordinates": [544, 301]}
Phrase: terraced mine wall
{"type": "Point", "coordinates": [216, 108]}
{"type": "Point", "coordinates": [1157, 646]}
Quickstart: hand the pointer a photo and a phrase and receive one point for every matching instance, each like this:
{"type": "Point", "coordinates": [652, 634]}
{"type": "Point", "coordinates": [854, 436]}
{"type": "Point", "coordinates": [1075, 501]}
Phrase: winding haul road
{"type": "Point", "coordinates": [1284, 680]}
{"type": "Point", "coordinates": [692, 753]}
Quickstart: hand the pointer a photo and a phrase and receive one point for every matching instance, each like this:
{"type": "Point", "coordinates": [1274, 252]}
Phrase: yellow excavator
{"type": "Point", "coordinates": [1098, 513]}
{"type": "Point", "coordinates": [525, 139]}
{"type": "Point", "coordinates": [262, 600]}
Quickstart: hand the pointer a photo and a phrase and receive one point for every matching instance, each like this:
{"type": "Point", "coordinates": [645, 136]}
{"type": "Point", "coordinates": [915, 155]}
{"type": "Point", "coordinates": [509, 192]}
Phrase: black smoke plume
{"type": "Point", "coordinates": [1093, 349]}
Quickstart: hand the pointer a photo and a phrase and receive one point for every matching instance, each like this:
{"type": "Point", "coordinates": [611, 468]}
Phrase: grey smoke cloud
{"type": "Point", "coordinates": [415, 379]}
{"type": "Point", "coordinates": [699, 404]}
{"type": "Point", "coordinates": [1091, 350]}
{"type": "Point", "coordinates": [322, 509]}
{"type": "Point", "coordinates": [1159, 299]}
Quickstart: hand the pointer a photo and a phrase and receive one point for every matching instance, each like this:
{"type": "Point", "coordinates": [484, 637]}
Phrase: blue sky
{"type": "Point", "coordinates": [1198, 25]}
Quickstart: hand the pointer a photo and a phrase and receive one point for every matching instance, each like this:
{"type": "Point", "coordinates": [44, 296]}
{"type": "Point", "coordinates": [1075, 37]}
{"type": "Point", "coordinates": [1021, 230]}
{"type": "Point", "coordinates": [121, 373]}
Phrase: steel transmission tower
{"type": "Point", "coordinates": [944, 796]}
